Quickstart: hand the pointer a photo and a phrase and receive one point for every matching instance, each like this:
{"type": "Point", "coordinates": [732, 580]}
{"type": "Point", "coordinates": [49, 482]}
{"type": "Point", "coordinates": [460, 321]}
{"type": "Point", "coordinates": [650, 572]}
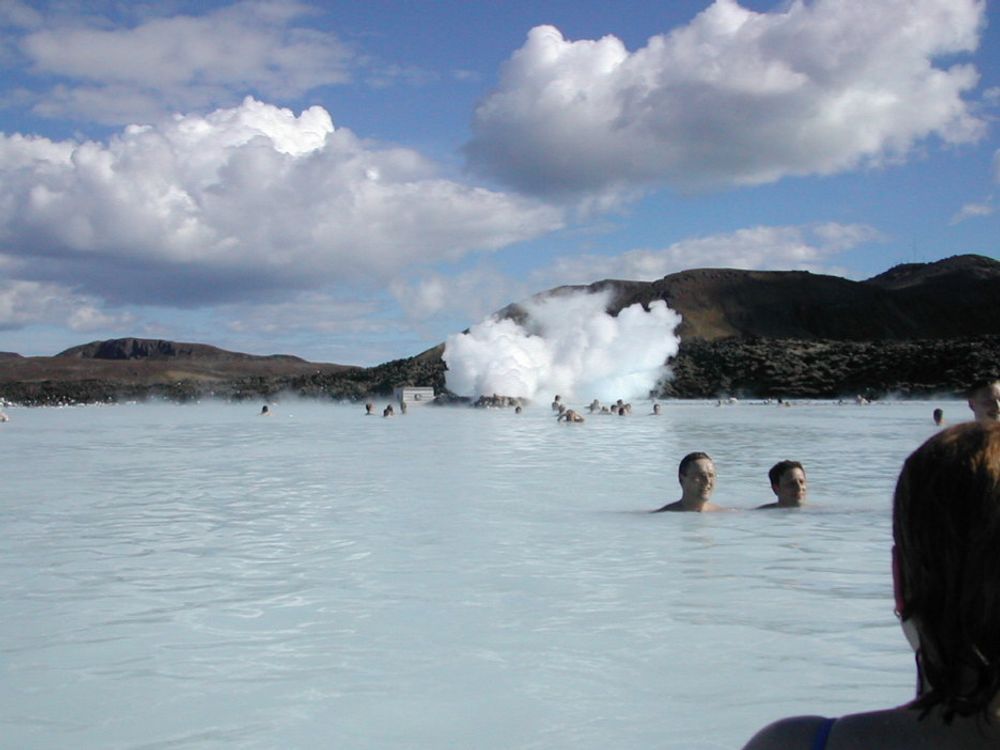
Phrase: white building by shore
{"type": "Point", "coordinates": [415, 395]}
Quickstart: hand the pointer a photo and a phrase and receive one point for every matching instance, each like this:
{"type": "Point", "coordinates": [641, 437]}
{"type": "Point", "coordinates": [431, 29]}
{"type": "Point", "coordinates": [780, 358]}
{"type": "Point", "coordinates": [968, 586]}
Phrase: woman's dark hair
{"type": "Point", "coordinates": [946, 525]}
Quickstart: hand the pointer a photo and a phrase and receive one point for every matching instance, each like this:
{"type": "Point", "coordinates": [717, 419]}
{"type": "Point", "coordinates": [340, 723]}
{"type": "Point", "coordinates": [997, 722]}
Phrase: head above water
{"type": "Point", "coordinates": [984, 400]}
{"type": "Point", "coordinates": [775, 472]}
{"type": "Point", "coordinates": [696, 474]}
{"type": "Point", "coordinates": [946, 561]}
{"type": "Point", "coordinates": [689, 459]}
{"type": "Point", "coordinates": [788, 482]}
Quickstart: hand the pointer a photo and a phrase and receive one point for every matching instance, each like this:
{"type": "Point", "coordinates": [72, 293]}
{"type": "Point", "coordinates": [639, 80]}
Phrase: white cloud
{"type": "Point", "coordinates": [973, 211]}
{"type": "Point", "coordinates": [472, 294]}
{"type": "Point", "coordinates": [182, 62]}
{"type": "Point", "coordinates": [734, 98]}
{"type": "Point", "coordinates": [17, 14]}
{"type": "Point", "coordinates": [476, 293]}
{"type": "Point", "coordinates": [240, 203]}
{"type": "Point", "coordinates": [808, 248]}
{"type": "Point", "coordinates": [24, 303]}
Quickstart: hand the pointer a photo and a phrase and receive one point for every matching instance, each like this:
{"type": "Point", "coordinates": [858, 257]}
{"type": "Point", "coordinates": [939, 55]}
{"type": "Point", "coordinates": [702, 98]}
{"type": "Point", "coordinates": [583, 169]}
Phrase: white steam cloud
{"type": "Point", "coordinates": [568, 345]}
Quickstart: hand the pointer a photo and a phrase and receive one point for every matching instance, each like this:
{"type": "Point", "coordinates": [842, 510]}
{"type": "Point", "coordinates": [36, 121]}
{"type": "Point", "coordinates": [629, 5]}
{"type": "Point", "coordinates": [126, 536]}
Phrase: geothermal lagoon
{"type": "Point", "coordinates": [200, 576]}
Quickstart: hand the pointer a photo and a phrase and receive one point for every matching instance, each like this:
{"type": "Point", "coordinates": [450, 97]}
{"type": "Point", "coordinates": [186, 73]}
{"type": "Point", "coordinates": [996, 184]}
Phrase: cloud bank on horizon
{"type": "Point", "coordinates": [154, 173]}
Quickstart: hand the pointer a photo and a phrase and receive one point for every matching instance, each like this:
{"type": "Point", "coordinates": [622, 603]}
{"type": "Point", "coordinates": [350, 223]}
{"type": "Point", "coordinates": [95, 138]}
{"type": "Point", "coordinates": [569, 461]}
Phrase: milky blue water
{"type": "Point", "coordinates": [203, 577]}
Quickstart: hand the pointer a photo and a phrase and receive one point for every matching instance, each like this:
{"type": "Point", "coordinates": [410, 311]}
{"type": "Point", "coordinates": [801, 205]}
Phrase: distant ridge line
{"type": "Point", "coordinates": [131, 348]}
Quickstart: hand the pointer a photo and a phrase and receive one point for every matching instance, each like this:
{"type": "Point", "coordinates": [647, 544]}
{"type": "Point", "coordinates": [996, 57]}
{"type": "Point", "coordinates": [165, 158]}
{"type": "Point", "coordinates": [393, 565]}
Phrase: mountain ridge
{"type": "Point", "coordinates": [916, 328]}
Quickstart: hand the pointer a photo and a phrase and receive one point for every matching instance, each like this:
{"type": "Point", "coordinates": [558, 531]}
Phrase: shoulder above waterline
{"type": "Point", "coordinates": [792, 733]}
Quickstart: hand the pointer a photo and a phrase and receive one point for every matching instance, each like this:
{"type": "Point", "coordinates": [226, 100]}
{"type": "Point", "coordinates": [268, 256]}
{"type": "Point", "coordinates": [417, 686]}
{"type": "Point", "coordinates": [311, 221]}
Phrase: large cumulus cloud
{"type": "Point", "coordinates": [734, 98]}
{"type": "Point", "coordinates": [237, 204]}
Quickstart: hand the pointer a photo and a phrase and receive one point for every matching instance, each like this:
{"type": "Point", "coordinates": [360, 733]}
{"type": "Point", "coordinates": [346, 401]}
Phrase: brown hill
{"type": "Point", "coordinates": [958, 296]}
{"type": "Point", "coordinates": [131, 368]}
{"type": "Point", "coordinates": [157, 349]}
{"type": "Point", "coordinates": [919, 329]}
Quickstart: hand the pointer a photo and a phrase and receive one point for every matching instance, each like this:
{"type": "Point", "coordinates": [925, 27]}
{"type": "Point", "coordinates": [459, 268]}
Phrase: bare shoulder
{"type": "Point", "coordinates": [670, 507]}
{"type": "Point", "coordinates": [786, 734]}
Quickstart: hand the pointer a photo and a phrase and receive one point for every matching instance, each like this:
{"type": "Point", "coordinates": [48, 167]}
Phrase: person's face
{"type": "Point", "coordinates": [698, 480]}
{"type": "Point", "coordinates": [791, 487]}
{"type": "Point", "coordinates": [985, 404]}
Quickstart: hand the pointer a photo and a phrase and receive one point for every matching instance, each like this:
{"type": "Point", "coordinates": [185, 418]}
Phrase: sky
{"type": "Point", "coordinates": [353, 182]}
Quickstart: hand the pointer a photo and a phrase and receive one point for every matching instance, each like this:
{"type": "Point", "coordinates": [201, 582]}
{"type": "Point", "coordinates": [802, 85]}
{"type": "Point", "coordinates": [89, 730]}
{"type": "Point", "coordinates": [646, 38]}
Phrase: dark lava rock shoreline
{"type": "Point", "coordinates": [761, 368]}
{"type": "Point", "coordinates": [788, 368]}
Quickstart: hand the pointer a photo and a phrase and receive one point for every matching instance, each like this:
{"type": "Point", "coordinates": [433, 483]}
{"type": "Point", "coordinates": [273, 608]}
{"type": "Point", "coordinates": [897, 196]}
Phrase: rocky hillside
{"type": "Point", "coordinates": [955, 297]}
{"type": "Point", "coordinates": [917, 329]}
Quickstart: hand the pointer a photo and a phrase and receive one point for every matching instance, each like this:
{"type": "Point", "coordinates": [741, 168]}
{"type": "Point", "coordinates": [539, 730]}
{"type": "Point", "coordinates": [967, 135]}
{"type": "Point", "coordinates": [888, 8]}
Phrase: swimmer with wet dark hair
{"type": "Point", "coordinates": [388, 411]}
{"type": "Point", "coordinates": [696, 474]}
{"type": "Point", "coordinates": [984, 400]}
{"type": "Point", "coordinates": [369, 408]}
{"type": "Point", "coordinates": [938, 415]}
{"type": "Point", "coordinates": [264, 411]}
{"type": "Point", "coordinates": [788, 483]}
{"type": "Point", "coordinates": [569, 416]}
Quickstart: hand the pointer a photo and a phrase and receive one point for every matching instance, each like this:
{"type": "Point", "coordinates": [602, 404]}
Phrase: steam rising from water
{"type": "Point", "coordinates": [568, 345]}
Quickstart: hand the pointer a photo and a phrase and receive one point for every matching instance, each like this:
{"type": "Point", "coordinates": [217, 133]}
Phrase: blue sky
{"type": "Point", "coordinates": [353, 182]}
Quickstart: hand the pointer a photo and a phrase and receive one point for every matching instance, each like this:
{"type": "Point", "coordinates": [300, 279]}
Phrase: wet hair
{"type": "Point", "coordinates": [946, 525]}
{"type": "Point", "coordinates": [779, 469]}
{"type": "Point", "coordinates": [689, 459]}
{"type": "Point", "coordinates": [980, 385]}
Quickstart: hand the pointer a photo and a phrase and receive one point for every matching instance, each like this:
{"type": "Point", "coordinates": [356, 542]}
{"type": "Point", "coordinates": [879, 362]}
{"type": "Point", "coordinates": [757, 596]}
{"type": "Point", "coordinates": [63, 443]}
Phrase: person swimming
{"type": "Point", "coordinates": [696, 474]}
{"type": "Point", "coordinates": [946, 533]}
{"type": "Point", "coordinates": [788, 483]}
{"type": "Point", "coordinates": [569, 416]}
{"type": "Point", "coordinates": [984, 400]}
{"type": "Point", "coordinates": [938, 416]}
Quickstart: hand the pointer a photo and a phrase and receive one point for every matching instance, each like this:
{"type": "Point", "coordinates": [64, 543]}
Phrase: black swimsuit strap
{"type": "Point", "coordinates": [822, 733]}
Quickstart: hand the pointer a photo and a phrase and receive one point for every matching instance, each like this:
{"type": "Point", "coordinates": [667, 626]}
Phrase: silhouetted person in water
{"type": "Point", "coordinates": [984, 400]}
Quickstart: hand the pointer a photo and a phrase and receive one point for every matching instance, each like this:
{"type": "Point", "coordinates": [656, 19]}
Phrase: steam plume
{"type": "Point", "coordinates": [568, 345]}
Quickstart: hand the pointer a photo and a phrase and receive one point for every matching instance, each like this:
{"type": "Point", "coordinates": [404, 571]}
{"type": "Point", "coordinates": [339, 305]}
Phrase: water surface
{"type": "Point", "coordinates": [203, 577]}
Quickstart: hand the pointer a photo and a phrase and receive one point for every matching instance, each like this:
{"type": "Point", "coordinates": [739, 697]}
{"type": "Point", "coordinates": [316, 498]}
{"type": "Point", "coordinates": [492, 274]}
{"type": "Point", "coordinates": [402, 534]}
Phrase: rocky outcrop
{"type": "Point", "coordinates": [158, 349]}
{"type": "Point", "coordinates": [793, 368]}
{"type": "Point", "coordinates": [955, 297]}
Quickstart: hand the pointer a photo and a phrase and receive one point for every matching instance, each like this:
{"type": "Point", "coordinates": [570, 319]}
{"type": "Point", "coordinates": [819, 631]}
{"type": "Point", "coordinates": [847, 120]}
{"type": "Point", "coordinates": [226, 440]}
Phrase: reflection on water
{"type": "Point", "coordinates": [201, 576]}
